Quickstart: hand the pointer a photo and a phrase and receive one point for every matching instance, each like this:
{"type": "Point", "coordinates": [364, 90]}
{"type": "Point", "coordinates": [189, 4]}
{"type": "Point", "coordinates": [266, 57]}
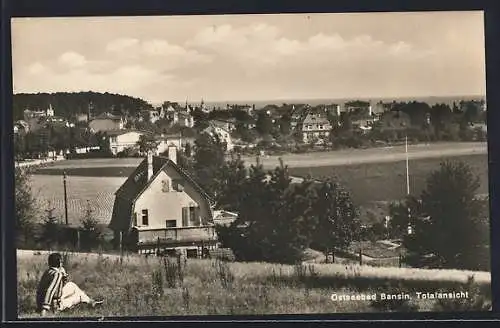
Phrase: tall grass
{"type": "Point", "coordinates": [139, 286]}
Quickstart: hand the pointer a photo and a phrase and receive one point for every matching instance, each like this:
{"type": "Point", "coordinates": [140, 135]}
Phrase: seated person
{"type": "Point", "coordinates": [55, 292]}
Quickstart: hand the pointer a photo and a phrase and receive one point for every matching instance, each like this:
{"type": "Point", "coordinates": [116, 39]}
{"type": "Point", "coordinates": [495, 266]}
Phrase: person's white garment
{"type": "Point", "coordinates": [72, 295]}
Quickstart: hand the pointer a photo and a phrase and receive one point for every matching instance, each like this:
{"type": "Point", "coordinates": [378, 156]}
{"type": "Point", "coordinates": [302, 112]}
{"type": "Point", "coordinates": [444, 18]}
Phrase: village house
{"type": "Point", "coordinates": [160, 206]}
{"type": "Point", "coordinates": [21, 126]}
{"type": "Point", "coordinates": [119, 140]}
{"type": "Point", "coordinates": [224, 218]}
{"type": "Point", "coordinates": [151, 116]}
{"type": "Point", "coordinates": [166, 140]}
{"type": "Point", "coordinates": [107, 122]}
{"type": "Point", "coordinates": [298, 115]}
{"type": "Point", "coordinates": [38, 113]}
{"type": "Point", "coordinates": [183, 118]}
{"type": "Point", "coordinates": [82, 117]}
{"type": "Point", "coordinates": [315, 127]}
{"type": "Point", "coordinates": [223, 134]}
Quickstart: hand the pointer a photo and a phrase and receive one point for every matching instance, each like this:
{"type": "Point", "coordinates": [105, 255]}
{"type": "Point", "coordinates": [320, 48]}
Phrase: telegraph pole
{"type": "Point", "coordinates": [65, 198]}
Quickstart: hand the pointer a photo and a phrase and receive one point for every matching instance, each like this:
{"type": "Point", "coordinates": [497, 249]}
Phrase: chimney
{"type": "Point", "coordinates": [150, 165]}
{"type": "Point", "coordinates": [172, 153]}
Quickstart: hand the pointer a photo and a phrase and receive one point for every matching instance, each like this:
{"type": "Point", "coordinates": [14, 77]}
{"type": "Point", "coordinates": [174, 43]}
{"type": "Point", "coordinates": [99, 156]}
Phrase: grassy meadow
{"type": "Point", "coordinates": [145, 286]}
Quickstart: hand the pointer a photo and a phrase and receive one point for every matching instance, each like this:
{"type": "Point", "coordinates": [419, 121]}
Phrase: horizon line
{"type": "Point", "coordinates": [278, 99]}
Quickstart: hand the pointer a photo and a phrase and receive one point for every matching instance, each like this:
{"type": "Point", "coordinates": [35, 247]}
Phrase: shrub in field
{"type": "Point", "coordinates": [50, 233]}
{"type": "Point", "coordinates": [91, 234]}
{"type": "Point", "coordinates": [157, 282]}
{"type": "Point", "coordinates": [478, 299]}
{"type": "Point", "coordinates": [226, 277]}
{"type": "Point", "coordinates": [174, 272]}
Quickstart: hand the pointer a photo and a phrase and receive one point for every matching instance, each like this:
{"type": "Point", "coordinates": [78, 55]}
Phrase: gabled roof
{"type": "Point", "coordinates": [311, 118]}
{"type": "Point", "coordinates": [137, 183]}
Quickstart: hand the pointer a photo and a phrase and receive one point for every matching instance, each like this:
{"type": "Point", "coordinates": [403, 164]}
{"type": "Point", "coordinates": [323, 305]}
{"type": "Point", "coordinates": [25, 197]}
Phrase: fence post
{"type": "Point", "coordinates": [400, 260]}
{"type": "Point", "coordinates": [158, 246]}
{"type": "Point", "coordinates": [360, 257]}
{"type": "Point", "coordinates": [121, 244]}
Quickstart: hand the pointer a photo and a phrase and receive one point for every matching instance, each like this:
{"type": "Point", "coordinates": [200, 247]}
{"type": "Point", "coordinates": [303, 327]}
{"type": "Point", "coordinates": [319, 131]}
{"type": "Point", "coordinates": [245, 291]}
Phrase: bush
{"type": "Point", "coordinates": [91, 234]}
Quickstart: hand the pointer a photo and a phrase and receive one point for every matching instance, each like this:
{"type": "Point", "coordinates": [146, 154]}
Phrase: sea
{"type": "Point", "coordinates": [430, 100]}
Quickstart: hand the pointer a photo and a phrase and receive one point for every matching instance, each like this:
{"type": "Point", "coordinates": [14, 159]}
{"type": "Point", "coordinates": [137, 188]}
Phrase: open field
{"type": "Point", "coordinates": [131, 287]}
{"type": "Point", "coordinates": [371, 185]}
{"type": "Point", "coordinates": [387, 181]}
{"type": "Point", "coordinates": [374, 155]}
{"type": "Point", "coordinates": [99, 192]}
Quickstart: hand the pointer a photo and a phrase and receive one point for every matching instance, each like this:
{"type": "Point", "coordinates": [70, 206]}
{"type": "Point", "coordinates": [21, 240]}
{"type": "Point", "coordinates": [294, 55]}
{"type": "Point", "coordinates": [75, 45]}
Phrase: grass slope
{"type": "Point", "coordinates": [140, 286]}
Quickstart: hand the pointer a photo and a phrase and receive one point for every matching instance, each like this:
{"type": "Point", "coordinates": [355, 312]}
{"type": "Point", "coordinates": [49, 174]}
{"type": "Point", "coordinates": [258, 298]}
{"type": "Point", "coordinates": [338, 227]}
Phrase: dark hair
{"type": "Point", "coordinates": [55, 260]}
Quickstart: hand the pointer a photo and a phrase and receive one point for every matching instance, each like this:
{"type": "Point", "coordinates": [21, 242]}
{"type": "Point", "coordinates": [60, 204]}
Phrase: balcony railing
{"type": "Point", "coordinates": [172, 235]}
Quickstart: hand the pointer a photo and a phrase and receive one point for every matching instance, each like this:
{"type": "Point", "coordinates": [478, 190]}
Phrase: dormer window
{"type": "Point", "coordinates": [177, 185]}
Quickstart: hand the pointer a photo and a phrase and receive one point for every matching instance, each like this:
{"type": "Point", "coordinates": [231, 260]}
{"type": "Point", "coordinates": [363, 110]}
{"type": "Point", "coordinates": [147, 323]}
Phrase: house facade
{"type": "Point", "coordinates": [183, 119]}
{"type": "Point", "coordinates": [223, 134]}
{"type": "Point", "coordinates": [166, 140]}
{"type": "Point", "coordinates": [122, 139]}
{"type": "Point", "coordinates": [107, 122]}
{"type": "Point", "coordinates": [315, 127]}
{"type": "Point", "coordinates": [160, 207]}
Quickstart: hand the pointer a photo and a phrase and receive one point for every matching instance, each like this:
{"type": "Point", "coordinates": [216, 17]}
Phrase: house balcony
{"type": "Point", "coordinates": [178, 236]}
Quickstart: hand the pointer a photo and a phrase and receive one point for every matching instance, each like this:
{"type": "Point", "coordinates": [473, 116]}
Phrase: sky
{"type": "Point", "coordinates": [253, 57]}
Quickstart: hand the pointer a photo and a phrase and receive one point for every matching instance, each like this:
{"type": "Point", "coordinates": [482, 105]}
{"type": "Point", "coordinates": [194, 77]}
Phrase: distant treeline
{"type": "Point", "coordinates": [68, 104]}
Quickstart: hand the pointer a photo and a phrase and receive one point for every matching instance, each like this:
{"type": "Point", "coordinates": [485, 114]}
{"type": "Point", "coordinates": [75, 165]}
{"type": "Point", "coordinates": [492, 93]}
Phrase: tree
{"type": "Point", "coordinates": [24, 207]}
{"type": "Point", "coordinates": [208, 158]}
{"type": "Point", "coordinates": [336, 223]}
{"type": "Point", "coordinates": [51, 230]}
{"type": "Point", "coordinates": [232, 179]}
{"type": "Point", "coordinates": [91, 234]}
{"type": "Point", "coordinates": [147, 143]}
{"type": "Point", "coordinates": [402, 215]}
{"type": "Point", "coordinates": [264, 124]}
{"type": "Point", "coordinates": [451, 227]}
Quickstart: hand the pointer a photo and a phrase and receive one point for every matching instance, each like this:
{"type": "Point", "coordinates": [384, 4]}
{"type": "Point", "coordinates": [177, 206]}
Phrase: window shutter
{"type": "Point", "coordinates": [185, 216]}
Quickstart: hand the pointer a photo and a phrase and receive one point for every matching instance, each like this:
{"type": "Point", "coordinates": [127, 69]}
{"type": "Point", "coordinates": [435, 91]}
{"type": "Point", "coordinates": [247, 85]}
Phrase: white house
{"type": "Point", "coordinates": [123, 139]}
{"type": "Point", "coordinates": [164, 141]}
{"type": "Point", "coordinates": [223, 134]}
{"type": "Point", "coordinates": [183, 119]}
{"type": "Point", "coordinates": [160, 207]}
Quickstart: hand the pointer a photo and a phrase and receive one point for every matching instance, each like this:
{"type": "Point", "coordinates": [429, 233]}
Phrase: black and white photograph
{"type": "Point", "coordinates": [251, 164]}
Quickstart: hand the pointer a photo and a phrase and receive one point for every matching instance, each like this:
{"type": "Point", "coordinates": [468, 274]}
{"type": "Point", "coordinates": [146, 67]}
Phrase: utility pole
{"type": "Point", "coordinates": [65, 198]}
{"type": "Point", "coordinates": [408, 186]}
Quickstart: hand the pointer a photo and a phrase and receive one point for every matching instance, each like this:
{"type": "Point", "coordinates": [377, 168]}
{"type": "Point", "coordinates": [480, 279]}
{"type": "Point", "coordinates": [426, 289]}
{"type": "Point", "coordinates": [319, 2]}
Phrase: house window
{"type": "Point", "coordinates": [145, 218]}
{"type": "Point", "coordinates": [194, 215]}
{"type": "Point", "coordinates": [113, 139]}
{"type": "Point", "coordinates": [190, 216]}
{"type": "Point", "coordinates": [171, 223]}
{"type": "Point", "coordinates": [185, 216]}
